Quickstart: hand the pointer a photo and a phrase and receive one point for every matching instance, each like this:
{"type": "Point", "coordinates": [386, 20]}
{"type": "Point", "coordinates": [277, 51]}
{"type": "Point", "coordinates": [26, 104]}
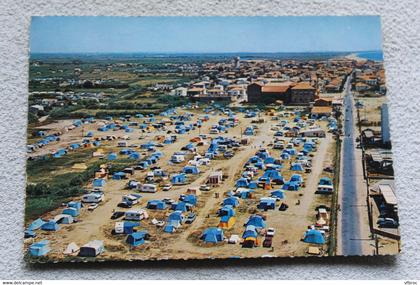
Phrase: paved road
{"type": "Point", "coordinates": [350, 218]}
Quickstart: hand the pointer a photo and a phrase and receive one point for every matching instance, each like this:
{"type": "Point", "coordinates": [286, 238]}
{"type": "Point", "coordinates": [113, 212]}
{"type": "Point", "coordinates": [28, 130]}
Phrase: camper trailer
{"type": "Point", "coordinates": [92, 198]}
{"type": "Point", "coordinates": [149, 188]}
{"type": "Point", "coordinates": [136, 215]}
{"type": "Point", "coordinates": [131, 199]}
{"type": "Point", "coordinates": [325, 189]}
{"type": "Point", "coordinates": [177, 158]}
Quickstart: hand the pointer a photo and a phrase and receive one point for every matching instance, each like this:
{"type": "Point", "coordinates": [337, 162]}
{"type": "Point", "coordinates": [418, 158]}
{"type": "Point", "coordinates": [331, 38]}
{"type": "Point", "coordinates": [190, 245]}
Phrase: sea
{"type": "Point", "coordinates": [371, 55]}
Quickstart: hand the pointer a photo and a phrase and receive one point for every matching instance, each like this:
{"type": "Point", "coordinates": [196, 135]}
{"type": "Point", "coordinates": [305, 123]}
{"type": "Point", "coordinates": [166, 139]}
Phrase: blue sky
{"type": "Point", "coordinates": [204, 34]}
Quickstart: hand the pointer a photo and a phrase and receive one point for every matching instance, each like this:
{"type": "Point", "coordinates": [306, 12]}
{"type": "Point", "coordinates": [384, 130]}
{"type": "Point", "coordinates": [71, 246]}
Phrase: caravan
{"type": "Point", "coordinates": [177, 158]}
{"type": "Point", "coordinates": [149, 188]}
{"type": "Point", "coordinates": [92, 198]}
{"type": "Point", "coordinates": [136, 215]}
{"type": "Point", "coordinates": [325, 189]}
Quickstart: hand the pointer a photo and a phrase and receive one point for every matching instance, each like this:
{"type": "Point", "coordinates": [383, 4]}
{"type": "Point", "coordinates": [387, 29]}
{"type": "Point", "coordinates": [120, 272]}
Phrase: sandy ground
{"type": "Point", "coordinates": [290, 225]}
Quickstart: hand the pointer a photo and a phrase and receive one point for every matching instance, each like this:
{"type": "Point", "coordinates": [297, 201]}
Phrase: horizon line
{"type": "Point", "coordinates": [204, 52]}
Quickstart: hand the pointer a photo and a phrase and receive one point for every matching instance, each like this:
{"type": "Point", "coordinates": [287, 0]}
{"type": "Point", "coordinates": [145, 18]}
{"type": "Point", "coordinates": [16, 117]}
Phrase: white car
{"type": "Point", "coordinates": [205, 188]}
{"type": "Point", "coordinates": [93, 206]}
{"type": "Point", "coordinates": [167, 187]}
{"type": "Point", "coordinates": [270, 232]}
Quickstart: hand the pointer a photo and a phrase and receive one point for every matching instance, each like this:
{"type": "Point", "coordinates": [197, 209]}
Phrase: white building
{"type": "Point", "coordinates": [180, 91]}
{"type": "Point", "coordinates": [386, 135]}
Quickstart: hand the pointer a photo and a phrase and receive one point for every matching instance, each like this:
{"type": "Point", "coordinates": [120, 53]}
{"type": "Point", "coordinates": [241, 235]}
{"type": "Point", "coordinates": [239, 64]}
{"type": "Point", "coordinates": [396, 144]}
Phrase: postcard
{"type": "Point", "coordinates": [153, 138]}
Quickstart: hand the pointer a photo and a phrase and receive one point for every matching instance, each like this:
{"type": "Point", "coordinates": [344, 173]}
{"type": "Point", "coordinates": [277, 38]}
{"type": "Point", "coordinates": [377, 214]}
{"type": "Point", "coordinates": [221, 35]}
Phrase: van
{"type": "Point", "coordinates": [92, 198]}
{"type": "Point", "coordinates": [136, 215]}
{"type": "Point", "coordinates": [122, 144]}
{"type": "Point", "coordinates": [149, 188]}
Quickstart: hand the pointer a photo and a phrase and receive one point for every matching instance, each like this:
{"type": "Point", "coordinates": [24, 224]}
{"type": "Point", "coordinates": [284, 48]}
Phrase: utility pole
{"type": "Point", "coordinates": [376, 245]}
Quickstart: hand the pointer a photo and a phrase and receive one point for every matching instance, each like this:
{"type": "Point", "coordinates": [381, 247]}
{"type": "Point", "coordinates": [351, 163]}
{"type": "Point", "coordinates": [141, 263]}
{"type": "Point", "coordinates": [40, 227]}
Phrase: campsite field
{"type": "Point", "coordinates": [289, 225]}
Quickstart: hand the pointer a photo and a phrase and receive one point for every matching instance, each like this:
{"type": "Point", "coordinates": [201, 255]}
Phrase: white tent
{"type": "Point", "coordinates": [71, 249]}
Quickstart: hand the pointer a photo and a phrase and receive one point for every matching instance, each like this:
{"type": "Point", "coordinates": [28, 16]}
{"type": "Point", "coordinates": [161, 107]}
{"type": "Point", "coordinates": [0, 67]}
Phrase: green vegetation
{"type": "Point", "coordinates": [49, 187]}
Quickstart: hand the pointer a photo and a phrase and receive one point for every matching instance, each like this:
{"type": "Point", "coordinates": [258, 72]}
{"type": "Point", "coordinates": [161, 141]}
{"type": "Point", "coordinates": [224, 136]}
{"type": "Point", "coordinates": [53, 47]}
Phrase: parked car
{"type": "Point", "coordinates": [93, 206]}
{"type": "Point", "coordinates": [167, 187]}
{"type": "Point", "coordinates": [125, 205]}
{"type": "Point", "coordinates": [168, 201]}
{"type": "Point", "coordinates": [387, 223]}
{"type": "Point", "coordinates": [190, 218]}
{"type": "Point", "coordinates": [228, 154]}
{"type": "Point", "coordinates": [204, 187]}
{"type": "Point", "coordinates": [270, 232]}
{"type": "Point", "coordinates": [117, 215]}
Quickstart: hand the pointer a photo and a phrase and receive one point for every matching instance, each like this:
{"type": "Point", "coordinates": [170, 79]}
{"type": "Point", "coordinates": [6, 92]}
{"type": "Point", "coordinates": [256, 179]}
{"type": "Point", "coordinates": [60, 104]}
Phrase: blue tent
{"type": "Point", "coordinates": [267, 203]}
{"type": "Point", "coordinates": [99, 182]}
{"type": "Point", "coordinates": [256, 221]}
{"type": "Point", "coordinates": [64, 219]}
{"type": "Point", "coordinates": [73, 204]}
{"type": "Point", "coordinates": [176, 216]}
{"type": "Point", "coordinates": [191, 169]}
{"type": "Point", "coordinates": [296, 167]}
{"type": "Point", "coordinates": [325, 181]}
{"type": "Point", "coordinates": [226, 211]}
{"type": "Point", "coordinates": [279, 194]}
{"type": "Point", "coordinates": [213, 235]}
{"type": "Point", "coordinates": [190, 199]}
{"type": "Point", "coordinates": [297, 178]}
{"type": "Point", "coordinates": [129, 130]}
{"type": "Point", "coordinates": [119, 175]}
{"type": "Point", "coordinates": [269, 159]}
{"type": "Point", "coordinates": [71, 211]}
{"type": "Point", "coordinates": [232, 201]}
{"type": "Point", "coordinates": [129, 226]}
{"type": "Point", "coordinates": [285, 155]}
{"type": "Point", "coordinates": [169, 228]}
{"type": "Point", "coordinates": [245, 194]}
{"type": "Point", "coordinates": [40, 248]}
{"type": "Point", "coordinates": [143, 164]}
{"type": "Point", "coordinates": [137, 238]}
{"type": "Point", "coordinates": [89, 134]}
{"type": "Point", "coordinates": [112, 156]}
{"type": "Point", "coordinates": [250, 231]}
{"type": "Point", "coordinates": [126, 151]}
{"type": "Point", "coordinates": [290, 185]}
{"type": "Point", "coordinates": [36, 224]}
{"type": "Point", "coordinates": [253, 185]}
{"type": "Point", "coordinates": [74, 146]}
{"type": "Point", "coordinates": [254, 159]}
{"type": "Point", "coordinates": [158, 154]}
{"type": "Point", "coordinates": [314, 236]}
{"type": "Point", "coordinates": [156, 205]}
{"type": "Point", "coordinates": [96, 143]}
{"type": "Point", "coordinates": [260, 165]}
{"type": "Point", "coordinates": [181, 206]}
{"type": "Point", "coordinates": [242, 182]}
{"type": "Point", "coordinates": [50, 226]}
{"type": "Point", "coordinates": [134, 155]}
{"type": "Point", "coordinates": [178, 178]}
{"type": "Point", "coordinates": [274, 175]}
